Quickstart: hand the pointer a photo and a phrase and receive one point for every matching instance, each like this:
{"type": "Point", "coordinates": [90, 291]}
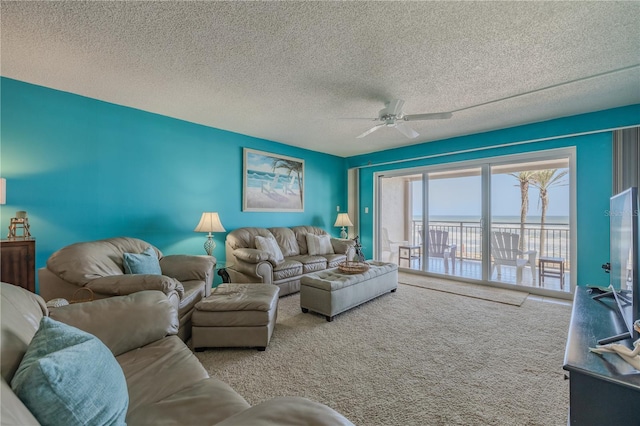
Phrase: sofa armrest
{"type": "Point", "coordinates": [119, 285]}
{"type": "Point", "coordinates": [251, 255]}
{"type": "Point", "coordinates": [246, 272]}
{"type": "Point", "coordinates": [342, 246]}
{"type": "Point", "coordinates": [187, 267]}
{"type": "Point", "coordinates": [287, 411]}
{"type": "Point", "coordinates": [123, 323]}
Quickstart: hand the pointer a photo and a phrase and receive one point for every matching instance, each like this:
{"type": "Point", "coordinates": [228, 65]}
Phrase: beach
{"type": "Point", "coordinates": [257, 198]}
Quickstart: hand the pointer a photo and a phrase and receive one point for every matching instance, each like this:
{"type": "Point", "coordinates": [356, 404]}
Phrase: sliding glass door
{"type": "Point", "coordinates": [503, 220]}
{"type": "Point", "coordinates": [454, 232]}
{"type": "Point", "coordinates": [530, 223]}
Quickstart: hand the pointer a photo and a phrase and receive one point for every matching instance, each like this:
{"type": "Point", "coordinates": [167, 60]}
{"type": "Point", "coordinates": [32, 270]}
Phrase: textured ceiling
{"type": "Point", "coordinates": [299, 72]}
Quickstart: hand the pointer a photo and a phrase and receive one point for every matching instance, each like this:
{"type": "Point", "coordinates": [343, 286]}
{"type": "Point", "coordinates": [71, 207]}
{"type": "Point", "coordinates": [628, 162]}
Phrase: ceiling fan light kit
{"type": "Point", "coordinates": [392, 116]}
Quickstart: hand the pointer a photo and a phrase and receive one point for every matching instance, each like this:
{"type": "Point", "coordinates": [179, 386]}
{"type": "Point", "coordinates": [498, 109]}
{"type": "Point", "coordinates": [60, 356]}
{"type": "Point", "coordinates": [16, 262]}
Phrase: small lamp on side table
{"type": "Point", "coordinates": [209, 222]}
{"type": "Point", "coordinates": [343, 221]}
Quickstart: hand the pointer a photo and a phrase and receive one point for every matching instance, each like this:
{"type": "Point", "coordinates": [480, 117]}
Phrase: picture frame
{"type": "Point", "coordinates": [272, 182]}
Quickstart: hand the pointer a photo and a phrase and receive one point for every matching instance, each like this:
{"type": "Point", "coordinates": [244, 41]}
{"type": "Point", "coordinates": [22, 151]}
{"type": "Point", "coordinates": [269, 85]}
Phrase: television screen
{"type": "Point", "coordinates": [624, 255]}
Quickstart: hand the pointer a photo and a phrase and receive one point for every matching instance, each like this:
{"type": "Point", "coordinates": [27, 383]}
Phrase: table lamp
{"type": "Point", "coordinates": [343, 220]}
{"type": "Point", "coordinates": [209, 222]}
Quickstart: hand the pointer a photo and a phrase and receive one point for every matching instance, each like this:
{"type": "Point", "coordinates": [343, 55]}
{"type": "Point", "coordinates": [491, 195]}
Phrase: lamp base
{"type": "Point", "coordinates": [209, 245]}
{"type": "Point", "coordinates": [343, 234]}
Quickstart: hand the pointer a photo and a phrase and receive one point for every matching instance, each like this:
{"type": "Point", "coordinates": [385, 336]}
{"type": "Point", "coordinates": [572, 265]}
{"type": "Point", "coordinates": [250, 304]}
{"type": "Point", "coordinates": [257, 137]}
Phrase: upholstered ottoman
{"type": "Point", "coordinates": [236, 315]}
{"type": "Point", "coordinates": [331, 292]}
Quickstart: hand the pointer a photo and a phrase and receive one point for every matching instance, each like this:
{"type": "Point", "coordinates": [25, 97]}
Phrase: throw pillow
{"type": "Point", "coordinates": [270, 245]}
{"type": "Point", "coordinates": [69, 377]}
{"type": "Point", "coordinates": [319, 244]}
{"type": "Point", "coordinates": [142, 263]}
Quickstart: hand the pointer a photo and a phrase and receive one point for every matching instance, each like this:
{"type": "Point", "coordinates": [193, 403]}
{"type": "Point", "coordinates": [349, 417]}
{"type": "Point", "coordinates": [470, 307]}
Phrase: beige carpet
{"type": "Point", "coordinates": [414, 357]}
{"type": "Point", "coordinates": [510, 297]}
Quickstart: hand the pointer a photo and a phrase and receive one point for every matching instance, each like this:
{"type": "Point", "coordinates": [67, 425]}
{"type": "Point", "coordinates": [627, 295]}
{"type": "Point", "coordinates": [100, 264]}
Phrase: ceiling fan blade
{"type": "Point", "coordinates": [394, 107]}
{"type": "Point", "coordinates": [406, 130]}
{"type": "Point", "coordinates": [433, 116]}
{"type": "Point", "coordinates": [371, 130]}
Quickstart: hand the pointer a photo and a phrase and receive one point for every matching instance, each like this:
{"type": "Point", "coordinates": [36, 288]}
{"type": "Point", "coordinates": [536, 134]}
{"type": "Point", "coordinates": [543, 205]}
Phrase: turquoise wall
{"type": "Point", "coordinates": [593, 172]}
{"type": "Point", "coordinates": [85, 169]}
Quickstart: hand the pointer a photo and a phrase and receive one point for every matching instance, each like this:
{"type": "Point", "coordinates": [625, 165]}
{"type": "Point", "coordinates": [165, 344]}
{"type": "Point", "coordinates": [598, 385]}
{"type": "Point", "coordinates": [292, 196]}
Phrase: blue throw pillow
{"type": "Point", "coordinates": [143, 263]}
{"type": "Point", "coordinates": [68, 377]}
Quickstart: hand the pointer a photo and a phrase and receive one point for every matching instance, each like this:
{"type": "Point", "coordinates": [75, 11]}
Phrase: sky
{"type": "Point", "coordinates": [461, 196]}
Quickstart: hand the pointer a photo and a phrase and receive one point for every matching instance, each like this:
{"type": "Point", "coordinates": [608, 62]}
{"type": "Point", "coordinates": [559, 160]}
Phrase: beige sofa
{"type": "Point", "coordinates": [165, 382]}
{"type": "Point", "coordinates": [99, 266]}
{"type": "Point", "coordinates": [246, 263]}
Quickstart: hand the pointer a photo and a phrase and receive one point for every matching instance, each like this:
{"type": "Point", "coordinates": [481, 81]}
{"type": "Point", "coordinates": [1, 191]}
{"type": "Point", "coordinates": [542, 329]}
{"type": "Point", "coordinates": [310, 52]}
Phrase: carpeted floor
{"type": "Point", "coordinates": [414, 357]}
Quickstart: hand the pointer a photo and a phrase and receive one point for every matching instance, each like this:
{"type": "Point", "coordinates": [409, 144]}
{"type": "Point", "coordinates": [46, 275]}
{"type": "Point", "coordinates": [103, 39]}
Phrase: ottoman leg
{"type": "Point", "coordinates": [329, 318]}
{"type": "Point", "coordinates": [304, 310]}
{"type": "Point", "coordinates": [262, 348]}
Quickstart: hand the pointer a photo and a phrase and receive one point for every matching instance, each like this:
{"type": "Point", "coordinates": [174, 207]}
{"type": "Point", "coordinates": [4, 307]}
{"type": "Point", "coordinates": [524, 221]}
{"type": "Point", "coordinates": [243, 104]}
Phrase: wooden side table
{"type": "Point", "coordinates": [18, 262]}
{"type": "Point", "coordinates": [410, 253]}
{"type": "Point", "coordinates": [556, 270]}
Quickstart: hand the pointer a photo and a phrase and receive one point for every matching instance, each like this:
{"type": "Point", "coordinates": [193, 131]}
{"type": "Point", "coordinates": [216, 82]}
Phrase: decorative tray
{"type": "Point", "coordinates": [353, 267]}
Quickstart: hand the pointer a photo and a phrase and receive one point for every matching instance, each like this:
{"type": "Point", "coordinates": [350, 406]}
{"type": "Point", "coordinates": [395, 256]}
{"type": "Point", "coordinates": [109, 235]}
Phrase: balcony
{"type": "Point", "coordinates": [467, 236]}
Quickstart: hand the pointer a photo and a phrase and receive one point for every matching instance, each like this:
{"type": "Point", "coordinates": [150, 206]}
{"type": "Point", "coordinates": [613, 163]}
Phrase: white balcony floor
{"type": "Point", "coordinates": [473, 269]}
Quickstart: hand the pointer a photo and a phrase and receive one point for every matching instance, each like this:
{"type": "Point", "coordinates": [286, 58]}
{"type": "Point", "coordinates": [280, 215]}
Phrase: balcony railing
{"type": "Point", "coordinates": [467, 236]}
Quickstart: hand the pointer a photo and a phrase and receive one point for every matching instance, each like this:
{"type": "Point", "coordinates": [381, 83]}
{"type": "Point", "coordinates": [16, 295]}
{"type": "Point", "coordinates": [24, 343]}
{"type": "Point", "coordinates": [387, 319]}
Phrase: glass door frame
{"type": "Point", "coordinates": [485, 164]}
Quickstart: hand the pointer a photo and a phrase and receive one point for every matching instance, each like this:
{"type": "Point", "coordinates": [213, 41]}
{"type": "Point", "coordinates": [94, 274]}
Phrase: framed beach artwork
{"type": "Point", "coordinates": [272, 182]}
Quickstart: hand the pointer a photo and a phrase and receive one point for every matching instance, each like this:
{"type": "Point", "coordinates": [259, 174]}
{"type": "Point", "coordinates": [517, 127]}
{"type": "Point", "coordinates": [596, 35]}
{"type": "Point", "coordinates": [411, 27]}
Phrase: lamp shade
{"type": "Point", "coordinates": [343, 220]}
{"type": "Point", "coordinates": [3, 191]}
{"type": "Point", "coordinates": [210, 222]}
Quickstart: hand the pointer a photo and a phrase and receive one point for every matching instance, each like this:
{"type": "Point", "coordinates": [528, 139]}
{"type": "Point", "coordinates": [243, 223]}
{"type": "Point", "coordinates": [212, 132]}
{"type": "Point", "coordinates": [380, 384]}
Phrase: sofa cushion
{"type": "Point", "coordinates": [333, 260]}
{"type": "Point", "coordinates": [158, 370]}
{"type": "Point", "coordinates": [208, 401]}
{"type": "Point", "coordinates": [69, 377]}
{"type": "Point", "coordinates": [319, 244]}
{"type": "Point", "coordinates": [287, 269]}
{"type": "Point", "coordinates": [311, 263]}
{"type": "Point", "coordinates": [193, 293]}
{"type": "Point", "coordinates": [142, 263]}
{"type": "Point", "coordinates": [270, 245]}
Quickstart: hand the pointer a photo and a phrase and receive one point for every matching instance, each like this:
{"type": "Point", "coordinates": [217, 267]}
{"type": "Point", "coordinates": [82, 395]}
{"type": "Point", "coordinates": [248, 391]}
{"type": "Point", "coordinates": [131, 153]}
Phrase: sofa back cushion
{"type": "Point", "coordinates": [20, 312]}
{"type": "Point", "coordinates": [286, 239]}
{"type": "Point", "coordinates": [245, 237]}
{"type": "Point", "coordinates": [301, 236]}
{"type": "Point", "coordinates": [83, 262]}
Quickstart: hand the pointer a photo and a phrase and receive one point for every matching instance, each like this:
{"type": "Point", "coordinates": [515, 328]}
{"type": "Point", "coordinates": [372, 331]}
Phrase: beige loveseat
{"type": "Point", "coordinates": [164, 381]}
{"type": "Point", "coordinates": [246, 263]}
{"type": "Point", "coordinates": [99, 266]}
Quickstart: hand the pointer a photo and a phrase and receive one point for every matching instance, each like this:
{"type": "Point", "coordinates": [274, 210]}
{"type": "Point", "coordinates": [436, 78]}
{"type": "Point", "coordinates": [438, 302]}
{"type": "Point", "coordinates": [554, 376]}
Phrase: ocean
{"type": "Point", "coordinates": [531, 220]}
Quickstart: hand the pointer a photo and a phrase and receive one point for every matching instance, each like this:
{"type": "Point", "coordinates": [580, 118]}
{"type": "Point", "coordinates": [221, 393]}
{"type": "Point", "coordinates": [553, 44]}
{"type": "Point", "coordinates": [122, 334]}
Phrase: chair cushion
{"type": "Point", "coordinates": [143, 263]}
{"type": "Point", "coordinates": [270, 245]}
{"type": "Point", "coordinates": [69, 377]}
{"type": "Point", "coordinates": [319, 244]}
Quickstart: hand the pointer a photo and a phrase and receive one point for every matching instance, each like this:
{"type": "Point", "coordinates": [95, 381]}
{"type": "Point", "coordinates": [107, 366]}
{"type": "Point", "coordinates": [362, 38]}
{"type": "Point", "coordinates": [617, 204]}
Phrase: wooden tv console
{"type": "Point", "coordinates": [604, 389]}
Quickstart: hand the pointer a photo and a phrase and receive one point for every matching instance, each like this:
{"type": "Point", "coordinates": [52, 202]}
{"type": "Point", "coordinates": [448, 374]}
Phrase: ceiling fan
{"type": "Point", "coordinates": [392, 116]}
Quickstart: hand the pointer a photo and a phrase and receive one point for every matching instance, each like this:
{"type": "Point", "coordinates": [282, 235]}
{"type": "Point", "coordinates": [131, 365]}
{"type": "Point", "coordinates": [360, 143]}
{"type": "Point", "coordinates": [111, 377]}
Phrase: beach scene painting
{"type": "Point", "coordinates": [272, 182]}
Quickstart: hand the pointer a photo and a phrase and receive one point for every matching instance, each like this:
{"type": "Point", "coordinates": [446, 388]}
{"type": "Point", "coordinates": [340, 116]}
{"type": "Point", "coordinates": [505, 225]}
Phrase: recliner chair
{"type": "Point", "coordinates": [99, 267]}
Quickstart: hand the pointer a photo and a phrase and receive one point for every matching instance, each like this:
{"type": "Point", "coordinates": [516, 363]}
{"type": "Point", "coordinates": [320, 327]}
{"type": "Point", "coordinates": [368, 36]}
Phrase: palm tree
{"type": "Point", "coordinates": [544, 180]}
{"type": "Point", "coordinates": [524, 178]}
{"type": "Point", "coordinates": [291, 167]}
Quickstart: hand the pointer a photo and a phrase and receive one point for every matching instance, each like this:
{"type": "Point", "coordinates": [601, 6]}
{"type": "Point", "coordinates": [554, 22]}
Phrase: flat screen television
{"type": "Point", "coordinates": [625, 259]}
